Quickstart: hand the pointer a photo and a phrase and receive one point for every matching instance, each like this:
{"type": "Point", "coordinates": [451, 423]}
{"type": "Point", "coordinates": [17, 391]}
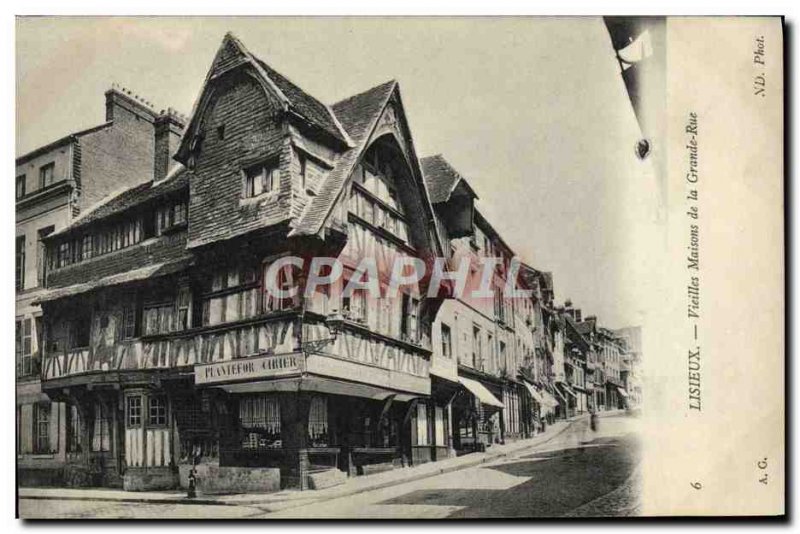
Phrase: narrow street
{"type": "Point", "coordinates": [579, 473]}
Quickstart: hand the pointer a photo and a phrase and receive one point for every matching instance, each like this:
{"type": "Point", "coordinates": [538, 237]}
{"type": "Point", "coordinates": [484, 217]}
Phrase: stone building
{"type": "Point", "coordinates": [55, 185]}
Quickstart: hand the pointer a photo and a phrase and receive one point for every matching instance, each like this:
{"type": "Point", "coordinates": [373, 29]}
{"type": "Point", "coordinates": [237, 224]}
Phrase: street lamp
{"type": "Point", "coordinates": [334, 322]}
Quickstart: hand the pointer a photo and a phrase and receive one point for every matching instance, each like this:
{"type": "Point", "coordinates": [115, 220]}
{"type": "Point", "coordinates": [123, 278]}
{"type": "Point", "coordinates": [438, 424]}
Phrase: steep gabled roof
{"type": "Point", "coordinates": [306, 105]}
{"type": "Point", "coordinates": [441, 178]}
{"type": "Point", "coordinates": [233, 53]}
{"type": "Point", "coordinates": [358, 115]}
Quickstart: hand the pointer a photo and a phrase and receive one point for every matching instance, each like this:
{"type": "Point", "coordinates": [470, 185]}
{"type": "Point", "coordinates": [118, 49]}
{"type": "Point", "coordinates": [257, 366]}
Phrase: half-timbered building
{"type": "Point", "coordinates": [168, 349]}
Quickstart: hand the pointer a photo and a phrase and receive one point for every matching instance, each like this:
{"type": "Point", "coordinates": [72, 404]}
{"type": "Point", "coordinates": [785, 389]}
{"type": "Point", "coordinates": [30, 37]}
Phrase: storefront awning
{"type": "Point", "coordinates": [535, 394]}
{"type": "Point", "coordinates": [316, 385]}
{"type": "Point", "coordinates": [480, 391]}
{"type": "Point", "coordinates": [568, 390]}
{"type": "Point", "coordinates": [622, 392]}
{"type": "Point", "coordinates": [549, 399]}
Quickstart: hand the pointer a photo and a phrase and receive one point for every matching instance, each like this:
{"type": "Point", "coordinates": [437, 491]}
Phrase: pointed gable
{"type": "Point", "coordinates": [231, 55]}
{"type": "Point", "coordinates": [367, 116]}
{"type": "Point", "coordinates": [358, 115]}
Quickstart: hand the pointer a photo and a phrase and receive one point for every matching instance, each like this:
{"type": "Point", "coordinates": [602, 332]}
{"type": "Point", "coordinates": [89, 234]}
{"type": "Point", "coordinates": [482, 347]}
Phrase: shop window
{"type": "Point", "coordinates": [101, 432]}
{"type": "Point", "coordinates": [318, 421]}
{"type": "Point", "coordinates": [41, 428]}
{"type": "Point", "coordinates": [422, 424]}
{"type": "Point", "coordinates": [157, 412]}
{"type": "Point", "coordinates": [133, 411]}
{"type": "Point", "coordinates": [260, 417]}
{"type": "Point", "coordinates": [439, 429]}
{"type": "Point", "coordinates": [260, 179]}
{"type": "Point", "coordinates": [447, 343]}
{"type": "Point", "coordinates": [73, 429]}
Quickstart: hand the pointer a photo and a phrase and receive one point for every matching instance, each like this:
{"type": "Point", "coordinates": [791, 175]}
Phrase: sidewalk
{"type": "Point", "coordinates": [289, 498]}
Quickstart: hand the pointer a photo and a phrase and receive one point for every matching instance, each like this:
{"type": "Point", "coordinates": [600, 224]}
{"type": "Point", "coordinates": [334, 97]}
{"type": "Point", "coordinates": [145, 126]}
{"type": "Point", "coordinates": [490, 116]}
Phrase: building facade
{"type": "Point", "coordinates": [55, 185]}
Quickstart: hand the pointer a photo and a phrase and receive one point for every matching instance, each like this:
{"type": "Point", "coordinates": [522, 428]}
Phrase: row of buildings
{"type": "Point", "coordinates": [147, 345]}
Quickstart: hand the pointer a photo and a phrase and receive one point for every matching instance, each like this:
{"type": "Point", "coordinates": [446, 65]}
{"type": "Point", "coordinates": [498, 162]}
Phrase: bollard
{"type": "Point", "coordinates": [191, 492]}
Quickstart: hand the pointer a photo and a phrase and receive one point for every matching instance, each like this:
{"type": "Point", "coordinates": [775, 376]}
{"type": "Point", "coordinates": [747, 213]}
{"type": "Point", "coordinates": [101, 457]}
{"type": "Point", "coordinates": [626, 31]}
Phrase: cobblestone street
{"type": "Point", "coordinates": [578, 473]}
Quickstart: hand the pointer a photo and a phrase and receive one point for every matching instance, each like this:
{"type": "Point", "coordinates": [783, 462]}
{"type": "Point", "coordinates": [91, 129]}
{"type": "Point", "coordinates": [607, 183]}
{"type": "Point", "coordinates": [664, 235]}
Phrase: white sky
{"type": "Point", "coordinates": [531, 111]}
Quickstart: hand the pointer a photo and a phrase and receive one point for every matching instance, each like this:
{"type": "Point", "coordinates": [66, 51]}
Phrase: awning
{"type": "Point", "coordinates": [622, 392]}
{"type": "Point", "coordinates": [480, 391]}
{"type": "Point", "coordinates": [535, 394]}
{"type": "Point", "coordinates": [316, 385]}
{"type": "Point", "coordinates": [566, 388]}
{"type": "Point", "coordinates": [549, 399]}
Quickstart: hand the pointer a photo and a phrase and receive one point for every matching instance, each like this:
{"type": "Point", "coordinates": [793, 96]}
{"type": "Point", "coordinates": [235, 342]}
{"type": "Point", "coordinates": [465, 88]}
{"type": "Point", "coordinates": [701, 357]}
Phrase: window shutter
{"type": "Point", "coordinates": [26, 429]}
{"type": "Point", "coordinates": [55, 419]}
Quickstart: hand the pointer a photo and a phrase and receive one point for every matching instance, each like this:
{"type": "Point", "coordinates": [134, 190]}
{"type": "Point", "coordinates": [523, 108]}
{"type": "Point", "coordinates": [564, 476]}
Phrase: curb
{"type": "Point", "coordinates": [301, 502]}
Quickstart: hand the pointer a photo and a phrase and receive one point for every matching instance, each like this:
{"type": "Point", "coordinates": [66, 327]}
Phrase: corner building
{"type": "Point", "coordinates": [163, 342]}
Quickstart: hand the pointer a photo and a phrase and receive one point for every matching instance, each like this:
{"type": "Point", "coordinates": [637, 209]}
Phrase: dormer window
{"type": "Point", "coordinates": [261, 178]}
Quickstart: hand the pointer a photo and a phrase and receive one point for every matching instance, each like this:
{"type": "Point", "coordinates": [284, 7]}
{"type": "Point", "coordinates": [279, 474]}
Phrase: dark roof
{"type": "Point", "coordinates": [574, 334]}
{"type": "Point", "coordinates": [129, 198]}
{"type": "Point", "coordinates": [584, 327]}
{"type": "Point", "coordinates": [357, 116]}
{"type": "Point", "coordinates": [441, 178]}
{"type": "Point", "coordinates": [303, 103]}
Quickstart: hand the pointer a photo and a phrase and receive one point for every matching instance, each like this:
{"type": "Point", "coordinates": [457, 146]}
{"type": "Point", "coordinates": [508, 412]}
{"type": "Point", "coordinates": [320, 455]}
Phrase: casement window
{"type": "Point", "coordinates": [260, 417]}
{"type": "Point", "coordinates": [318, 421]}
{"type": "Point", "coordinates": [230, 295]}
{"type": "Point", "coordinates": [157, 410]}
{"type": "Point", "coordinates": [158, 318]}
{"type": "Point", "coordinates": [447, 343]}
{"type": "Point", "coordinates": [502, 357]}
{"type": "Point", "coordinates": [46, 175]}
{"type": "Point", "coordinates": [133, 411]}
{"type": "Point", "coordinates": [41, 428]}
{"type": "Point", "coordinates": [375, 199]}
{"type": "Point", "coordinates": [80, 332]}
{"type": "Point", "coordinates": [41, 253]}
{"type": "Point", "coordinates": [24, 347]}
{"type": "Point", "coordinates": [409, 322]}
{"type": "Point", "coordinates": [20, 263]}
{"type": "Point", "coordinates": [422, 424]}
{"type": "Point", "coordinates": [354, 306]}
{"type": "Point", "coordinates": [490, 349]}
{"type": "Point", "coordinates": [184, 309]}
{"type": "Point", "coordinates": [477, 349]}
{"type": "Point", "coordinates": [73, 429]}
{"type": "Point", "coordinates": [171, 216]}
{"type": "Point", "coordinates": [20, 186]}
{"type": "Point", "coordinates": [285, 281]}
{"type": "Point", "coordinates": [129, 319]}
{"type": "Point", "coordinates": [261, 178]}
{"type": "Point", "coordinates": [101, 430]}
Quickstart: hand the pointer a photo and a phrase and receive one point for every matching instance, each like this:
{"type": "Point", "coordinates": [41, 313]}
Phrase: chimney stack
{"type": "Point", "coordinates": [169, 127]}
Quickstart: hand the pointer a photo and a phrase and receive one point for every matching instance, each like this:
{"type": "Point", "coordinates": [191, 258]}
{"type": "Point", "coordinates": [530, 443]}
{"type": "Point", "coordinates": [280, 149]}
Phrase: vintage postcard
{"type": "Point", "coordinates": [418, 268]}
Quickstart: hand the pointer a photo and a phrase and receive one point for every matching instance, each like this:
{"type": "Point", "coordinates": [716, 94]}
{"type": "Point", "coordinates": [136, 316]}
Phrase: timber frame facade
{"type": "Point", "coordinates": [171, 356]}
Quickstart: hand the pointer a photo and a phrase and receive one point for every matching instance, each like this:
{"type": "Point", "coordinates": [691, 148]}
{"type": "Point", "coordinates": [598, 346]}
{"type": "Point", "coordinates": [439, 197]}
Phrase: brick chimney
{"type": "Point", "coordinates": [169, 127]}
{"type": "Point", "coordinates": [578, 315]}
{"type": "Point", "coordinates": [123, 104]}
